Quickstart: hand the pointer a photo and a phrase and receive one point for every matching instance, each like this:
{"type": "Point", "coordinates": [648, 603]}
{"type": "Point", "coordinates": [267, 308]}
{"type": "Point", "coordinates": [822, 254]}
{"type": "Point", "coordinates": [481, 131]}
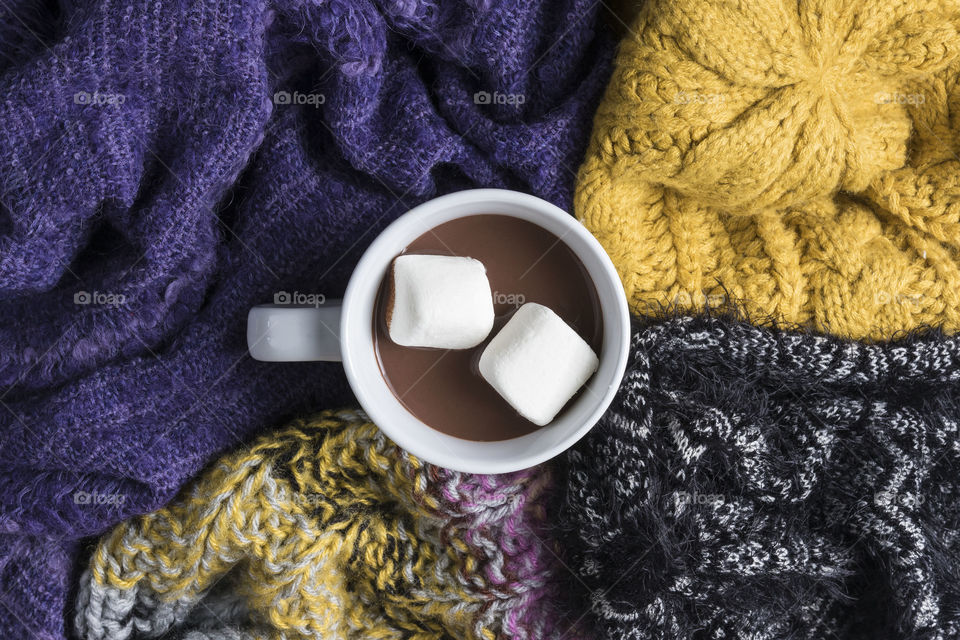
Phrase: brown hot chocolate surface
{"type": "Point", "coordinates": [525, 263]}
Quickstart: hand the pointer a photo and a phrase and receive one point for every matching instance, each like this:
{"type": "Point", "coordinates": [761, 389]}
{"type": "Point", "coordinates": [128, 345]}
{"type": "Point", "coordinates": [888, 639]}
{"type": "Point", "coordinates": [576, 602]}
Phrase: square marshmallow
{"type": "Point", "coordinates": [537, 362]}
{"type": "Point", "coordinates": [439, 301]}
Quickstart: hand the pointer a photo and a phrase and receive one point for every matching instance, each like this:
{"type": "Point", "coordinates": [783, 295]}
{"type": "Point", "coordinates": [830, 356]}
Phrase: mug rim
{"type": "Point", "coordinates": [409, 432]}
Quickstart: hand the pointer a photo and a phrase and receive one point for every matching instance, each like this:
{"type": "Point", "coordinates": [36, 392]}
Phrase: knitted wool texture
{"type": "Point", "coordinates": [751, 483]}
{"type": "Point", "coordinates": [146, 161]}
{"type": "Point", "coordinates": [326, 529]}
{"type": "Point", "coordinates": [795, 159]}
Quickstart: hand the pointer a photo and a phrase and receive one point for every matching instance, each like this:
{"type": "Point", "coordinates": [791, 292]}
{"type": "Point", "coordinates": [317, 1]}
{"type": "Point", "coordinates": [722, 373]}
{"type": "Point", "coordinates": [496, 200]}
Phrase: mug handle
{"type": "Point", "coordinates": [291, 333]}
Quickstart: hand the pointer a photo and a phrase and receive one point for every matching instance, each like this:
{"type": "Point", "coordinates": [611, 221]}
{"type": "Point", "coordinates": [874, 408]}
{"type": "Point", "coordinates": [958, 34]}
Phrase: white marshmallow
{"type": "Point", "coordinates": [440, 301]}
{"type": "Point", "coordinates": [537, 362]}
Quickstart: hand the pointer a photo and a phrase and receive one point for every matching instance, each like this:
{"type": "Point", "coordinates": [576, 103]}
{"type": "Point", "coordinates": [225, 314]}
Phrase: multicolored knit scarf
{"type": "Point", "coordinates": [327, 530]}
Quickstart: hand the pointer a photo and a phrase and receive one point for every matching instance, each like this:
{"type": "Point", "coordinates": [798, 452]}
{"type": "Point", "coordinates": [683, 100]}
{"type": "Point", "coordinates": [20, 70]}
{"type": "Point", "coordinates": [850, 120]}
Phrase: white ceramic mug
{"type": "Point", "coordinates": [343, 330]}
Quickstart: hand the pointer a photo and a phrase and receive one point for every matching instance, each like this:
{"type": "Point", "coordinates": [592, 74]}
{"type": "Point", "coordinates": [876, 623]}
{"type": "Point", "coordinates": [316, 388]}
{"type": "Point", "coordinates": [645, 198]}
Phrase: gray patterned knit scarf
{"type": "Point", "coordinates": [750, 483]}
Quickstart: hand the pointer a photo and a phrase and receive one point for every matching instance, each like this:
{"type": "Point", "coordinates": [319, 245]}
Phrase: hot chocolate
{"type": "Point", "coordinates": [525, 263]}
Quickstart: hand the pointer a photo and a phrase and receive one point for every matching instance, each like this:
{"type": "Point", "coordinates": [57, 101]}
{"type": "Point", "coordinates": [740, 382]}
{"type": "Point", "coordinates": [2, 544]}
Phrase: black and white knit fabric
{"type": "Point", "coordinates": [752, 483]}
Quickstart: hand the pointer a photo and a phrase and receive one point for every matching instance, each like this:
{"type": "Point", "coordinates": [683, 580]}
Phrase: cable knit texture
{"type": "Point", "coordinates": [167, 164]}
{"type": "Point", "coordinates": [327, 530]}
{"type": "Point", "coordinates": [752, 483]}
{"type": "Point", "coordinates": [798, 160]}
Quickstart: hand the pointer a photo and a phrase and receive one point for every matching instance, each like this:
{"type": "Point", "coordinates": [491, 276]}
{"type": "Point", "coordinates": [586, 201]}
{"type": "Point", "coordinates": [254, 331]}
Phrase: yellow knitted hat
{"type": "Point", "coordinates": [796, 158]}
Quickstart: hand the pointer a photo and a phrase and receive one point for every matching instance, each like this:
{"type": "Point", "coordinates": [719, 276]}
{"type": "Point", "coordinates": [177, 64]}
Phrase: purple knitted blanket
{"type": "Point", "coordinates": [166, 164]}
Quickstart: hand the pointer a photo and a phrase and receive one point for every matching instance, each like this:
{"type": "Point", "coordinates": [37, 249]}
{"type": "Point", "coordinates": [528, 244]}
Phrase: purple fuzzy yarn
{"type": "Point", "coordinates": [144, 155]}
